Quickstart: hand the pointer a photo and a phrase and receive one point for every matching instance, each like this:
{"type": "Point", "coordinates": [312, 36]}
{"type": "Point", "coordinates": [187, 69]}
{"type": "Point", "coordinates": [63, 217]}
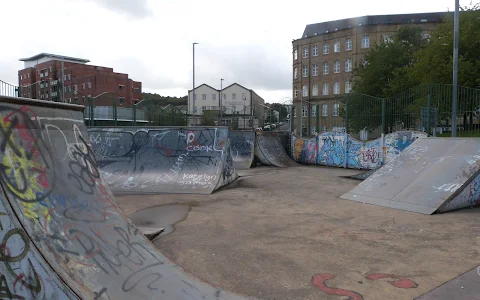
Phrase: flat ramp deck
{"type": "Point", "coordinates": [270, 152]}
{"type": "Point", "coordinates": [429, 176]}
{"type": "Point", "coordinates": [161, 160]}
{"type": "Point", "coordinates": [242, 145]}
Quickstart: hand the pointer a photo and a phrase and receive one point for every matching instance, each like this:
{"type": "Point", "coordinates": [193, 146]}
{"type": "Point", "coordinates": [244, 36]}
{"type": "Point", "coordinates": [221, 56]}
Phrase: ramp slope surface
{"type": "Point", "coordinates": [64, 237]}
{"type": "Point", "coordinates": [430, 175]}
{"type": "Point", "coordinates": [242, 145]}
{"type": "Point", "coordinates": [270, 152]}
{"type": "Point", "coordinates": [163, 160]}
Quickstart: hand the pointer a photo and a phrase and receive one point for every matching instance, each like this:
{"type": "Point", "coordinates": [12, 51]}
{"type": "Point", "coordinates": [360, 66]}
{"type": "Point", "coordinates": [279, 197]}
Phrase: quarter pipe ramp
{"type": "Point", "coordinates": [242, 144]}
{"type": "Point", "coordinates": [270, 152]}
{"type": "Point", "coordinates": [163, 160]}
{"type": "Point", "coordinates": [431, 175]}
{"type": "Point", "coordinates": [63, 235]}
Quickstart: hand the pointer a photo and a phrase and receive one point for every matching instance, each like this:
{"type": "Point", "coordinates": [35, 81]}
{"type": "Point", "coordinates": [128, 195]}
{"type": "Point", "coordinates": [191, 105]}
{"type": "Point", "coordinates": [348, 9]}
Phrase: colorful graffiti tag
{"type": "Point", "coordinates": [342, 150]}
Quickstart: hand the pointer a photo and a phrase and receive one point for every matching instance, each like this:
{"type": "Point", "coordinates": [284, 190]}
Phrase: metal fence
{"type": "Point", "coordinates": [8, 90]}
{"type": "Point", "coordinates": [425, 108]}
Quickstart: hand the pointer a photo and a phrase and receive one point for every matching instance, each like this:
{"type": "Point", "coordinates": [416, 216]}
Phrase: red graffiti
{"type": "Point", "coordinates": [319, 281]}
{"type": "Point", "coordinates": [401, 282]}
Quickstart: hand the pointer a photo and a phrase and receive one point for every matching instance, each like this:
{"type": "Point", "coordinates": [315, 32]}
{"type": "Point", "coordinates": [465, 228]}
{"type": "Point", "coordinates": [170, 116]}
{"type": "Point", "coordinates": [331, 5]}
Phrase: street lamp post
{"type": "Point", "coordinates": [220, 100]}
{"type": "Point", "coordinates": [301, 112]}
{"type": "Point", "coordinates": [244, 111]}
{"type": "Point", "coordinates": [193, 88]}
{"type": "Point", "coordinates": [456, 29]}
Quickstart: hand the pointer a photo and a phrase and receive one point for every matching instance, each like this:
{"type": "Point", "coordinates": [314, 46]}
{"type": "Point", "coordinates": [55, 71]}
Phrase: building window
{"type": "Point", "coordinates": [315, 90]}
{"type": "Point", "coordinates": [121, 87]}
{"type": "Point", "coordinates": [214, 97]}
{"type": "Point", "coordinates": [295, 92]}
{"type": "Point", "coordinates": [295, 73]}
{"type": "Point", "coordinates": [305, 91]}
{"type": "Point", "coordinates": [83, 86]}
{"type": "Point", "coordinates": [348, 44]}
{"type": "Point", "coordinates": [89, 85]}
{"type": "Point", "coordinates": [326, 49]}
{"type": "Point", "coordinates": [325, 68]}
{"type": "Point", "coordinates": [336, 88]}
{"type": "Point", "coordinates": [387, 38]}
{"type": "Point", "coordinates": [295, 54]}
{"type": "Point", "coordinates": [314, 130]}
{"type": "Point", "coordinates": [315, 50]}
{"type": "Point", "coordinates": [234, 96]}
{"type": "Point", "coordinates": [325, 110]}
{"type": "Point", "coordinates": [336, 107]}
{"type": "Point", "coordinates": [305, 71]}
{"type": "Point", "coordinates": [336, 67]}
{"type": "Point", "coordinates": [75, 89]}
{"type": "Point", "coordinates": [121, 99]}
{"type": "Point", "coordinates": [69, 76]}
{"type": "Point", "coordinates": [224, 97]}
{"type": "Point", "coordinates": [325, 89]}
{"type": "Point", "coordinates": [21, 77]}
{"type": "Point", "coordinates": [365, 41]}
{"type": "Point", "coordinates": [423, 20]}
{"type": "Point", "coordinates": [348, 65]}
{"type": "Point", "coordinates": [305, 52]}
{"type": "Point", "coordinates": [204, 96]}
{"type": "Point", "coordinates": [304, 111]}
{"type": "Point", "coordinates": [388, 22]}
{"type": "Point", "coordinates": [314, 70]}
{"type": "Point", "coordinates": [325, 128]}
{"type": "Point", "coordinates": [348, 87]}
{"type": "Point", "coordinates": [336, 47]}
{"type": "Point", "coordinates": [314, 111]}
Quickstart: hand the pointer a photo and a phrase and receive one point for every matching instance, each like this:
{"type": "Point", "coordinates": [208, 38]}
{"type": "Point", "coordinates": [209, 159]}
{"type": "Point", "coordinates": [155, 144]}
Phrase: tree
{"type": "Point", "coordinates": [165, 100]}
{"type": "Point", "coordinates": [282, 109]}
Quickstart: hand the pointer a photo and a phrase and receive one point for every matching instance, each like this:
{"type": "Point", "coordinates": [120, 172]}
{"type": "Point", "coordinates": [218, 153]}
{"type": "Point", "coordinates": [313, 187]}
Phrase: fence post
{"type": "Point", "coordinates": [346, 114]}
{"type": "Point", "coordinates": [317, 113]}
{"type": "Point", "coordinates": [429, 107]}
{"type": "Point", "coordinates": [134, 115]}
{"type": "Point", "coordinates": [91, 108]}
{"type": "Point", "coordinates": [292, 113]}
{"type": "Point", "coordinates": [115, 112]}
{"type": "Point", "coordinates": [186, 118]}
{"type": "Point", "coordinates": [383, 115]}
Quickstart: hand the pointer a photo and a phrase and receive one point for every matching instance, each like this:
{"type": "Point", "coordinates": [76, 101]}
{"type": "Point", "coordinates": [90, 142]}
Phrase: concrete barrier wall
{"type": "Point", "coordinates": [342, 150]}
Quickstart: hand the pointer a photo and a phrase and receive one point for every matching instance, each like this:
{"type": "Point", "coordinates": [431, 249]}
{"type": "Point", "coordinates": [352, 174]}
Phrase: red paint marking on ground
{"type": "Point", "coordinates": [319, 281]}
{"type": "Point", "coordinates": [401, 282]}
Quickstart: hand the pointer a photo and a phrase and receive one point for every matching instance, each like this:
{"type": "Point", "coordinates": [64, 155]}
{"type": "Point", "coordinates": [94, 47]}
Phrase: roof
{"type": "Point", "coordinates": [238, 85]}
{"type": "Point", "coordinates": [203, 85]}
{"type": "Point", "coordinates": [43, 54]}
{"type": "Point", "coordinates": [331, 26]}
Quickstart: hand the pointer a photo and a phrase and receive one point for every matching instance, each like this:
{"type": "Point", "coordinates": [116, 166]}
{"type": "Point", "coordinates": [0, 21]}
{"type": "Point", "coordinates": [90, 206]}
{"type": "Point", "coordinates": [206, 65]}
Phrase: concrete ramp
{"type": "Point", "coordinates": [160, 160]}
{"type": "Point", "coordinates": [270, 152]}
{"type": "Point", "coordinates": [242, 145]}
{"type": "Point", "coordinates": [63, 235]}
{"type": "Point", "coordinates": [431, 175]}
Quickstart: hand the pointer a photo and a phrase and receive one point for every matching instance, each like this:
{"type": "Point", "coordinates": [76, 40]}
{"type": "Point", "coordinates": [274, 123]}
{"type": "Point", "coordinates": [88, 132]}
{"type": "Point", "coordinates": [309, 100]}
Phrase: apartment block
{"type": "Point", "coordinates": [324, 59]}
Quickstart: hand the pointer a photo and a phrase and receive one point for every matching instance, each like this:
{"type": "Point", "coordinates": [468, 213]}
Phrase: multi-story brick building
{"type": "Point", "coordinates": [324, 59]}
{"type": "Point", "coordinates": [42, 79]}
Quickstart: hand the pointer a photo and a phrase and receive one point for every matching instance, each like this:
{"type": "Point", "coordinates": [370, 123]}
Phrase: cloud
{"type": "Point", "coordinates": [138, 9]}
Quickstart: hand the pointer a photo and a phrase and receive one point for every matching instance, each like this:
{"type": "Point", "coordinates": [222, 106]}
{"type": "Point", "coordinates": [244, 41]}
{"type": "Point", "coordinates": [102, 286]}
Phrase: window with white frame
{"type": "Point", "coordinates": [314, 129]}
{"type": "Point", "coordinates": [234, 96]}
{"type": "Point", "coordinates": [89, 85]}
{"type": "Point", "coordinates": [214, 97]}
{"type": "Point", "coordinates": [336, 108]}
{"type": "Point", "coordinates": [295, 92]}
{"type": "Point", "coordinates": [224, 96]}
{"type": "Point", "coordinates": [388, 38]}
{"type": "Point", "coordinates": [304, 110]}
{"type": "Point", "coordinates": [325, 129]}
{"type": "Point", "coordinates": [305, 71]}
{"type": "Point", "coordinates": [336, 67]}
{"type": "Point", "coordinates": [204, 96]}
{"type": "Point", "coordinates": [325, 88]}
{"type": "Point", "coordinates": [295, 73]}
{"type": "Point", "coordinates": [325, 110]}
{"type": "Point", "coordinates": [295, 54]}
{"type": "Point", "coordinates": [315, 50]}
{"type": "Point", "coordinates": [336, 88]}
{"type": "Point", "coordinates": [336, 47]}
{"type": "Point", "coordinates": [348, 87]}
{"type": "Point", "coordinates": [315, 90]}
{"type": "Point", "coordinates": [305, 52]}
{"type": "Point", "coordinates": [325, 68]}
{"type": "Point", "coordinates": [305, 91]}
{"type": "Point", "coordinates": [83, 86]}
{"type": "Point", "coordinates": [314, 70]}
{"type": "Point", "coordinates": [326, 49]}
{"type": "Point", "coordinates": [365, 41]}
{"type": "Point", "coordinates": [314, 111]}
{"type": "Point", "coordinates": [348, 65]}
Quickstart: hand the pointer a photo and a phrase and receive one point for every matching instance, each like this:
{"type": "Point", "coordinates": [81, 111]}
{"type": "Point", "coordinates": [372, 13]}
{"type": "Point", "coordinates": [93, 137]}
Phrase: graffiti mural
{"type": "Point", "coordinates": [163, 160]}
{"type": "Point", "coordinates": [342, 150]}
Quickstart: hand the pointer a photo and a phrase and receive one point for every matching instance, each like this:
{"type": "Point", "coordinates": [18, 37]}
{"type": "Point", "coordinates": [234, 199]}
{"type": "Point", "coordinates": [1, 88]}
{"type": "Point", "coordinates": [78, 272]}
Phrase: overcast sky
{"type": "Point", "coordinates": [248, 42]}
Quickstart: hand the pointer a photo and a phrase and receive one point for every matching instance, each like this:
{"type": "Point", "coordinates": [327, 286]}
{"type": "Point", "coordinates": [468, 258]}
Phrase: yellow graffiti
{"type": "Point", "coordinates": [23, 179]}
{"type": "Point", "coordinates": [298, 148]}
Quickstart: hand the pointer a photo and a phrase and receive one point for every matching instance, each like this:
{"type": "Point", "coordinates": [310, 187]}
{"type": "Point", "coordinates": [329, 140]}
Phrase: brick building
{"type": "Point", "coordinates": [324, 59]}
{"type": "Point", "coordinates": [42, 79]}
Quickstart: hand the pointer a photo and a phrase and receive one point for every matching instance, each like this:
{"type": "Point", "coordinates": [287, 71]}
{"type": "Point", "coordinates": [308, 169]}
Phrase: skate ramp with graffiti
{"type": "Point", "coordinates": [431, 175]}
{"type": "Point", "coordinates": [160, 160]}
{"type": "Point", "coordinates": [64, 237]}
{"type": "Point", "coordinates": [342, 150]}
{"type": "Point", "coordinates": [270, 151]}
{"type": "Point", "coordinates": [242, 145]}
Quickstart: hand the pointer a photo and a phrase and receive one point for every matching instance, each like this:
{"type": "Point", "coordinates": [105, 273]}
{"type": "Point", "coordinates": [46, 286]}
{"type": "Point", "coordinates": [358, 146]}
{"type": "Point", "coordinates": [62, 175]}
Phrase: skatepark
{"type": "Point", "coordinates": [242, 219]}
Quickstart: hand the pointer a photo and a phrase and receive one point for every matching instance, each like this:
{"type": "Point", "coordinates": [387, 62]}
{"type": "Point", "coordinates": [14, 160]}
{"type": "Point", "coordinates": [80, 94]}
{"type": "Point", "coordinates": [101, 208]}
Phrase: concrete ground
{"type": "Point", "coordinates": [284, 234]}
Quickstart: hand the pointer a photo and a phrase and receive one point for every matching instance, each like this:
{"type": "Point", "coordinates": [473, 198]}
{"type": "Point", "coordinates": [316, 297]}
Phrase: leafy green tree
{"type": "Point", "coordinates": [282, 109]}
{"type": "Point", "coordinates": [209, 117]}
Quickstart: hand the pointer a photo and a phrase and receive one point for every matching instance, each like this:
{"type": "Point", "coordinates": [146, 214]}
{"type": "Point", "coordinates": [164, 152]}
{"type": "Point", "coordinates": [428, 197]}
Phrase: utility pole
{"type": "Point", "coordinates": [220, 100]}
{"type": "Point", "coordinates": [193, 88]}
{"type": "Point", "coordinates": [456, 29]}
{"type": "Point", "coordinates": [63, 80]}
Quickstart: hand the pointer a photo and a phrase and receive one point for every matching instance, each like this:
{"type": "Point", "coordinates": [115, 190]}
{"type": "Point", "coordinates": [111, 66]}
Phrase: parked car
{"type": "Point", "coordinates": [259, 129]}
{"type": "Point", "coordinates": [266, 128]}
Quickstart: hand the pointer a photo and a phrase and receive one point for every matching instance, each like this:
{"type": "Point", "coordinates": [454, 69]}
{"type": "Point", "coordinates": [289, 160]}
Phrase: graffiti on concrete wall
{"type": "Point", "coordinates": [342, 150]}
